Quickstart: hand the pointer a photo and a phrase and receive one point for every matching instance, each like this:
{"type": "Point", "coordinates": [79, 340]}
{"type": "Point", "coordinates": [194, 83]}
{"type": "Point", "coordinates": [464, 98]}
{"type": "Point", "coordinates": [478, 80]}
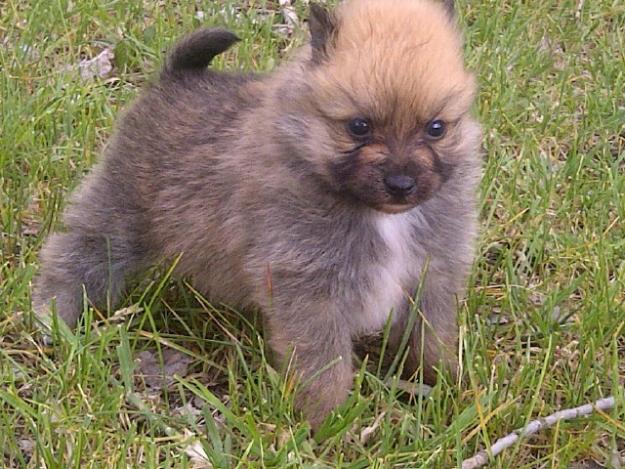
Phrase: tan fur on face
{"type": "Point", "coordinates": [397, 62]}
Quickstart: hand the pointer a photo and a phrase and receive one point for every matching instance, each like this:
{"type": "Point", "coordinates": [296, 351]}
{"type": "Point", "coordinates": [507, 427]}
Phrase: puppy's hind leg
{"type": "Point", "coordinates": [95, 255]}
{"type": "Point", "coordinates": [73, 261]}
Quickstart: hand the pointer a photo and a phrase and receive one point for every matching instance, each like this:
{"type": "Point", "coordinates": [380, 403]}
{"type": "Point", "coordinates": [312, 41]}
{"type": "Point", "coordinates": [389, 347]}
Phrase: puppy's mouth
{"type": "Point", "coordinates": [395, 207]}
{"type": "Point", "coordinates": [402, 193]}
{"type": "Point", "coordinates": [399, 203]}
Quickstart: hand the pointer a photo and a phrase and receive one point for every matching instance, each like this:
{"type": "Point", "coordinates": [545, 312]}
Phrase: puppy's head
{"type": "Point", "coordinates": [380, 108]}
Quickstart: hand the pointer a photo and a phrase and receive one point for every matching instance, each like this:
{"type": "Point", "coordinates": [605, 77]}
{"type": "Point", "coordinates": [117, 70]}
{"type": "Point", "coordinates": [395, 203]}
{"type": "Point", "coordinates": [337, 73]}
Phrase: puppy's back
{"type": "Point", "coordinates": [142, 196]}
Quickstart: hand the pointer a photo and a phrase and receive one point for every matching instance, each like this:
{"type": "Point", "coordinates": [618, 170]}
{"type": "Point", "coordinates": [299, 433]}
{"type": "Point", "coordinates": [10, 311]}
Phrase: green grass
{"type": "Point", "coordinates": [543, 325]}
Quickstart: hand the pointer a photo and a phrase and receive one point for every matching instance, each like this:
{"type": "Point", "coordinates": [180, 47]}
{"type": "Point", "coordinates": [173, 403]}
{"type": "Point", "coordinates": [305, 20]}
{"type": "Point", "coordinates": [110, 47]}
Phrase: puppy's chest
{"type": "Point", "coordinates": [393, 279]}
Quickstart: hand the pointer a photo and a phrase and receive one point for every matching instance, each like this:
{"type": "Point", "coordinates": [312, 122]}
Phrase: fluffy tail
{"type": "Point", "coordinates": [194, 52]}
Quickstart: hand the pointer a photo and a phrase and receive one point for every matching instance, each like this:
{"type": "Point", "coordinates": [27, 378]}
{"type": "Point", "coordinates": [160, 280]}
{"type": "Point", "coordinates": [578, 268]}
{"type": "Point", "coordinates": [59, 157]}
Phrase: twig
{"type": "Point", "coordinates": [289, 14]}
{"type": "Point", "coordinates": [481, 458]}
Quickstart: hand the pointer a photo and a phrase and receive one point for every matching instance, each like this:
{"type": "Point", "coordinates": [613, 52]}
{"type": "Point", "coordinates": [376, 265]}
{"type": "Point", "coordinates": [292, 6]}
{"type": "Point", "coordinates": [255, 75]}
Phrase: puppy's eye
{"type": "Point", "coordinates": [359, 127]}
{"type": "Point", "coordinates": [436, 129]}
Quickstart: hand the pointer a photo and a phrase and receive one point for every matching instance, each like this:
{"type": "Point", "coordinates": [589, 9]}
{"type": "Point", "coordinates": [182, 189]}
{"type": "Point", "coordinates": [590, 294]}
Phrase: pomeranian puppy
{"type": "Point", "coordinates": [325, 194]}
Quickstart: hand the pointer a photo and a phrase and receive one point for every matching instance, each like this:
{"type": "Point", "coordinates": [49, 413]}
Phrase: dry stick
{"type": "Point", "coordinates": [481, 458]}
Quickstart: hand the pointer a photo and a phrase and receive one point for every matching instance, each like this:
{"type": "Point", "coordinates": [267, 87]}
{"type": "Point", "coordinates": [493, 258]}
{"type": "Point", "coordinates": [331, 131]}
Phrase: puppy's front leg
{"type": "Point", "coordinates": [433, 340]}
{"type": "Point", "coordinates": [319, 339]}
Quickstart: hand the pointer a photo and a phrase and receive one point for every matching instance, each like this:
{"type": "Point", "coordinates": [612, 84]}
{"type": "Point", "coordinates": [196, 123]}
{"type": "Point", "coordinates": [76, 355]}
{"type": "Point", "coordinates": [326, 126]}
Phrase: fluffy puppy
{"type": "Point", "coordinates": [324, 194]}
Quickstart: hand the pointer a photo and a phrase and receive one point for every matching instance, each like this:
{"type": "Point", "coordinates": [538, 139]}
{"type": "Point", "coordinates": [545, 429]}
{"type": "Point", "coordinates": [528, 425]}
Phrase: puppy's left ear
{"type": "Point", "coordinates": [322, 25]}
{"type": "Point", "coordinates": [450, 6]}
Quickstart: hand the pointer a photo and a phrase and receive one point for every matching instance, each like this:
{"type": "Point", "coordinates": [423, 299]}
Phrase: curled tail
{"type": "Point", "coordinates": [194, 52]}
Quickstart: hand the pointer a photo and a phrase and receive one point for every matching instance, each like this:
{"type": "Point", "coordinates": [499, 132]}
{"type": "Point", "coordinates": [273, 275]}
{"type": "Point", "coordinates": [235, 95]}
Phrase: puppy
{"type": "Point", "coordinates": [324, 194]}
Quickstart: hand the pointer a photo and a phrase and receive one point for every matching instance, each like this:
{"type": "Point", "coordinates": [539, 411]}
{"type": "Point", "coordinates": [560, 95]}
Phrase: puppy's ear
{"type": "Point", "coordinates": [322, 25]}
{"type": "Point", "coordinates": [450, 6]}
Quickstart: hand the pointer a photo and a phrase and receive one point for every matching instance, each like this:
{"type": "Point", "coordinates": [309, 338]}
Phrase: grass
{"type": "Point", "coordinates": [543, 326]}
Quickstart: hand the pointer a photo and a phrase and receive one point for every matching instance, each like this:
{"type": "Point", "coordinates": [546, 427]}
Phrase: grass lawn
{"type": "Point", "coordinates": [543, 326]}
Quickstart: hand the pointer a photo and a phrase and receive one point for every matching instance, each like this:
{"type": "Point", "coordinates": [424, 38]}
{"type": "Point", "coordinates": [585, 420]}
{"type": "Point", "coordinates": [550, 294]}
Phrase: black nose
{"type": "Point", "coordinates": [399, 185]}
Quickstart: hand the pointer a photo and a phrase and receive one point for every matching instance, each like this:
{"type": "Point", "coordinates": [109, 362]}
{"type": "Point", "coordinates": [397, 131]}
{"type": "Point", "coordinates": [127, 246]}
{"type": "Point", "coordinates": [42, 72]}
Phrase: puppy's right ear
{"type": "Point", "coordinates": [322, 25]}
